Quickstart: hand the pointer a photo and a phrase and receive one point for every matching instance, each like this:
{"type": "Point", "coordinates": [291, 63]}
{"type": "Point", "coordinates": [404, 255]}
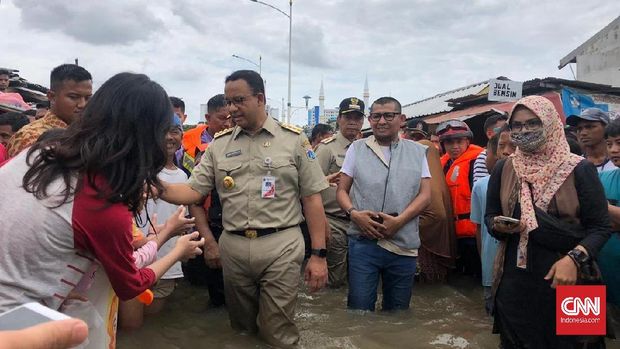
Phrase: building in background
{"type": "Point", "coordinates": [598, 59]}
{"type": "Point", "coordinates": [471, 105]}
{"type": "Point", "coordinates": [329, 115]}
{"type": "Point", "coordinates": [314, 116]}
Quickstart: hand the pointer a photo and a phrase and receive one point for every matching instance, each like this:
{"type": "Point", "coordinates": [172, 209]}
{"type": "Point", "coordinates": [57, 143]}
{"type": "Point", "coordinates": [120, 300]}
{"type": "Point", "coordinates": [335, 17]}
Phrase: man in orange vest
{"type": "Point", "coordinates": [458, 166]}
{"type": "Point", "coordinates": [194, 139]}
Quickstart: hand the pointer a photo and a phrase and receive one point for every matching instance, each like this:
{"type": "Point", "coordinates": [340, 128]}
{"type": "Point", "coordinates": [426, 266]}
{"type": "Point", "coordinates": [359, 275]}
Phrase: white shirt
{"type": "Point", "coordinates": [164, 210]}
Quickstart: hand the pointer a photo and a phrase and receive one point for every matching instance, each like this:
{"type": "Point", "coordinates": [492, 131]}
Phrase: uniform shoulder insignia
{"type": "Point", "coordinates": [223, 132]}
{"type": "Point", "coordinates": [291, 128]}
{"type": "Point", "coordinates": [328, 140]}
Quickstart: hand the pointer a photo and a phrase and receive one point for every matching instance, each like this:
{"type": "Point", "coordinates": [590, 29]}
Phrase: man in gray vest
{"type": "Point", "coordinates": [384, 186]}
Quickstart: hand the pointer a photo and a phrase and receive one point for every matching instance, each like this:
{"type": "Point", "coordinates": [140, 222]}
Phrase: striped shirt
{"type": "Point", "coordinates": [480, 166]}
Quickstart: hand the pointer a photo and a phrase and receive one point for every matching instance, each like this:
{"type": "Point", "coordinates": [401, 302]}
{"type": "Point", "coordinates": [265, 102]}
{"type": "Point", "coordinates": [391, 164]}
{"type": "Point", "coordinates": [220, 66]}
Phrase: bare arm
{"type": "Point", "coordinates": [180, 194]}
{"type": "Point", "coordinates": [211, 248]}
{"type": "Point", "coordinates": [184, 249]}
{"type": "Point", "coordinates": [363, 219]}
{"type": "Point", "coordinates": [342, 193]}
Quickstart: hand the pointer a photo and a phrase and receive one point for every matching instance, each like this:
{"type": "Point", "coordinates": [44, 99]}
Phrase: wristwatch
{"type": "Point", "coordinates": [319, 252]}
{"type": "Point", "coordinates": [350, 210]}
{"type": "Point", "coordinates": [578, 256]}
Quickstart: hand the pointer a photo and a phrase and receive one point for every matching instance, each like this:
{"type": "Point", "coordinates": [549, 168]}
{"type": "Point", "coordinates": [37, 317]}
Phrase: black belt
{"type": "Point", "coordinates": [462, 216]}
{"type": "Point", "coordinates": [256, 233]}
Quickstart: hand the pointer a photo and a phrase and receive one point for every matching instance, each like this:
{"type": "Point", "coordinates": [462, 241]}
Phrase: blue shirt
{"type": "Point", "coordinates": [488, 244]}
{"type": "Point", "coordinates": [609, 256]}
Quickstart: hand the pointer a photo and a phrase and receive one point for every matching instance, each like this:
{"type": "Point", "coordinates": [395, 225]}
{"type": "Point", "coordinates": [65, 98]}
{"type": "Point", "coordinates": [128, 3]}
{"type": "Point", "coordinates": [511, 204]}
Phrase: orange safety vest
{"type": "Point", "coordinates": [457, 179]}
{"type": "Point", "coordinates": [192, 141]}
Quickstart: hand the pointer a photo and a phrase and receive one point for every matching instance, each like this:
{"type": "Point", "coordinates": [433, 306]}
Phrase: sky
{"type": "Point", "coordinates": [408, 49]}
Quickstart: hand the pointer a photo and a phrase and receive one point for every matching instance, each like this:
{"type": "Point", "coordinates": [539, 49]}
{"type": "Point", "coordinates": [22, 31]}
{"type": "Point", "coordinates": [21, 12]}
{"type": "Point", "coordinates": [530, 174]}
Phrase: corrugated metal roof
{"type": "Point", "coordinates": [438, 104]}
{"type": "Point", "coordinates": [505, 107]}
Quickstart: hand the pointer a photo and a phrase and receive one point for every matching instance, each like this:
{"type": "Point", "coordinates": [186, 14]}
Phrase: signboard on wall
{"type": "Point", "coordinates": [505, 90]}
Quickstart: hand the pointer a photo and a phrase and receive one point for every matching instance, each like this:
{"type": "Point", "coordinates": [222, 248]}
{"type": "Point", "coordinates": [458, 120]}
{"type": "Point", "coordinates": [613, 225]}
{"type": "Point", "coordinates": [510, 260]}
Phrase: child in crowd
{"type": "Point", "coordinates": [609, 256]}
{"type": "Point", "coordinates": [499, 147]}
{"type": "Point", "coordinates": [132, 312]}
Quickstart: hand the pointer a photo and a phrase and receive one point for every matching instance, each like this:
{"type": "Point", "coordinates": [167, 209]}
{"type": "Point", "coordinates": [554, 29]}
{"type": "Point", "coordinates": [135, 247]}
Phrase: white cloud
{"type": "Point", "coordinates": [410, 49]}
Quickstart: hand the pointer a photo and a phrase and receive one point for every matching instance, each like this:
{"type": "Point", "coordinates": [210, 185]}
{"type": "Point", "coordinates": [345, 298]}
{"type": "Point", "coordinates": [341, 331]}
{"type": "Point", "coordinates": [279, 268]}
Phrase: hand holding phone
{"type": "Point", "coordinates": [506, 225]}
{"type": "Point", "coordinates": [27, 315]}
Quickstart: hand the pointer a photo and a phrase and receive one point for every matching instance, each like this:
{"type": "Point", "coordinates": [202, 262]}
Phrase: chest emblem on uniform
{"type": "Point", "coordinates": [233, 153]}
{"type": "Point", "coordinates": [228, 182]}
{"type": "Point", "coordinates": [267, 144]}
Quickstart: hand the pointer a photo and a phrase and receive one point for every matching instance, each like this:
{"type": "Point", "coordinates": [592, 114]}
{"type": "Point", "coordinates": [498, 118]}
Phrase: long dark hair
{"type": "Point", "coordinates": [120, 137]}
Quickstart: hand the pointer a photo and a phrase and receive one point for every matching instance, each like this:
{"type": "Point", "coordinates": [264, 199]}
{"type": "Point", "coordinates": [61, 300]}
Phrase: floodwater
{"type": "Point", "coordinates": [442, 316]}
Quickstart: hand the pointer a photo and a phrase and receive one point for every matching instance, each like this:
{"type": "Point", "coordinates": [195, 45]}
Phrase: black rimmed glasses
{"type": "Point", "coordinates": [237, 100]}
{"type": "Point", "coordinates": [530, 125]}
{"type": "Point", "coordinates": [387, 116]}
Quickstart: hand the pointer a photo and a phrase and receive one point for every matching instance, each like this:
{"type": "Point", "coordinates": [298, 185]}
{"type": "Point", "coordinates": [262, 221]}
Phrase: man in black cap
{"type": "Point", "coordinates": [591, 125]}
{"type": "Point", "coordinates": [416, 130]}
{"type": "Point", "coordinates": [330, 155]}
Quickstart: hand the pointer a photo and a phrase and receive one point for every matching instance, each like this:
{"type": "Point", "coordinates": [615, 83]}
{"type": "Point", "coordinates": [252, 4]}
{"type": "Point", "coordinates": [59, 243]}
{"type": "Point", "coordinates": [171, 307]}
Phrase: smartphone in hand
{"type": "Point", "coordinates": [27, 315]}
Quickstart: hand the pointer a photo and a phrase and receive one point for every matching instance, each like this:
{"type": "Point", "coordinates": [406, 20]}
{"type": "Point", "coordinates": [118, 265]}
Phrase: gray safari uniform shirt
{"type": "Point", "coordinates": [330, 155]}
{"type": "Point", "coordinates": [277, 150]}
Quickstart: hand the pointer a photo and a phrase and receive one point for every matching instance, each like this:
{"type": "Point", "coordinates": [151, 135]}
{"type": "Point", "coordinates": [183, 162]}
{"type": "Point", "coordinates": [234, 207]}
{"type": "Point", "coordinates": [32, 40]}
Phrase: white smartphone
{"type": "Point", "coordinates": [508, 220]}
{"type": "Point", "coordinates": [27, 315]}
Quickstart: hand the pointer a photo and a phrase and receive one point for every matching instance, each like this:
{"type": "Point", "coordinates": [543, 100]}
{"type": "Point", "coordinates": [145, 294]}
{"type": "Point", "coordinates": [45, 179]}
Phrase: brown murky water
{"type": "Point", "coordinates": [442, 316]}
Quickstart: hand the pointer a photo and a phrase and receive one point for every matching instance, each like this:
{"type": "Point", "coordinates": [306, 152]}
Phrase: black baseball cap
{"type": "Point", "coordinates": [590, 114]}
{"type": "Point", "coordinates": [351, 105]}
{"type": "Point", "coordinates": [417, 125]}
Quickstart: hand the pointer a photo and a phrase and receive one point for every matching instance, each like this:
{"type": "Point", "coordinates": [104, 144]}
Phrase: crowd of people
{"type": "Point", "coordinates": [119, 200]}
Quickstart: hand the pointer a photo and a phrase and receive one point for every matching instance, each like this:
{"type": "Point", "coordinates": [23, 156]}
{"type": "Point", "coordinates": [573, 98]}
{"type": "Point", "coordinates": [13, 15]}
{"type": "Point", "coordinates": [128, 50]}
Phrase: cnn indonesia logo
{"type": "Point", "coordinates": [581, 310]}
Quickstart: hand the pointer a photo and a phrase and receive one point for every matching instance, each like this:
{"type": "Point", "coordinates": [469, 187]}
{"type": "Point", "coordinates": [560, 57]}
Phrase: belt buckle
{"type": "Point", "coordinates": [251, 234]}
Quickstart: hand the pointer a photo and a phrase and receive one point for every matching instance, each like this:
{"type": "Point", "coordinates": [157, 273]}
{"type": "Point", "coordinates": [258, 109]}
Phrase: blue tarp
{"type": "Point", "coordinates": [574, 103]}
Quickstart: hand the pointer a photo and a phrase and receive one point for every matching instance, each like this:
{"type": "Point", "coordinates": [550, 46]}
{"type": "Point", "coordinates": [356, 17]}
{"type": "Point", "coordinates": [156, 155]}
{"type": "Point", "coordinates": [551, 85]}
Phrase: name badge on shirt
{"type": "Point", "coordinates": [233, 153]}
{"type": "Point", "coordinates": [268, 189]}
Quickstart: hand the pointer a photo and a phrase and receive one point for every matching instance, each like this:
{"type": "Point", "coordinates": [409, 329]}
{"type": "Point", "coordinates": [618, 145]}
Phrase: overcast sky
{"type": "Point", "coordinates": [410, 49]}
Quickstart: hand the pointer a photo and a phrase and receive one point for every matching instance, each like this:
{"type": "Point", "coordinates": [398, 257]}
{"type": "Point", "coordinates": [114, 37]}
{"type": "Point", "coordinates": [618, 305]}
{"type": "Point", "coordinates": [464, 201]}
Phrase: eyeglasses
{"type": "Point", "coordinates": [530, 125]}
{"type": "Point", "coordinates": [387, 116]}
{"type": "Point", "coordinates": [237, 100]}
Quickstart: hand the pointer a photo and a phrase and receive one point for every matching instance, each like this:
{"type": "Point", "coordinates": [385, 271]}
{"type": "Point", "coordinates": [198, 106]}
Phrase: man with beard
{"type": "Point", "coordinates": [330, 155]}
{"type": "Point", "coordinates": [384, 186]}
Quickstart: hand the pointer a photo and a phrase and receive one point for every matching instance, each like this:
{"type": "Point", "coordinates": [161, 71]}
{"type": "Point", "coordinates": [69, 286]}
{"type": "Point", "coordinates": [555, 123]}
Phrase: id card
{"type": "Point", "coordinates": [268, 189]}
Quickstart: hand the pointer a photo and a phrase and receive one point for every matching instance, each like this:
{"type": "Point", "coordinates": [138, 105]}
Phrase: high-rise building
{"type": "Point", "coordinates": [321, 99]}
{"type": "Point", "coordinates": [329, 115]}
{"type": "Point", "coordinates": [314, 116]}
